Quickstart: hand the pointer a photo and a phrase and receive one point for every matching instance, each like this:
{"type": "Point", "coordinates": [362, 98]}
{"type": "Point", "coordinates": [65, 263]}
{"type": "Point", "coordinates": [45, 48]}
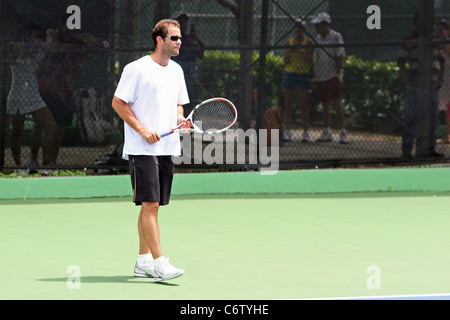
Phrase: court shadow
{"type": "Point", "coordinates": [111, 279]}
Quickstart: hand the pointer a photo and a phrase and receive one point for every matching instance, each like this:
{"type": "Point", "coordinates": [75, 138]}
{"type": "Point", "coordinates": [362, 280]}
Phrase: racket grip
{"type": "Point", "coordinates": [166, 134]}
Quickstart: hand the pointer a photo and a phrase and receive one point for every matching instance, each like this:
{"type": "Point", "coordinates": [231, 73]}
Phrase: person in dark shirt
{"type": "Point", "coordinates": [191, 50]}
{"type": "Point", "coordinates": [409, 67]}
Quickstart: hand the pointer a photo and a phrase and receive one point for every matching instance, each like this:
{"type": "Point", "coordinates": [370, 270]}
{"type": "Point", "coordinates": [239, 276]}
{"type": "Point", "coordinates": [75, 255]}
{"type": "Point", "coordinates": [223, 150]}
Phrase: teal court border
{"type": "Point", "coordinates": [289, 181]}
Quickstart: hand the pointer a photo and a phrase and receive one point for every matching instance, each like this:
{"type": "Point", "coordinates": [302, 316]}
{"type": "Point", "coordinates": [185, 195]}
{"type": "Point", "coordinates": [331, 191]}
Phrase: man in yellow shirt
{"type": "Point", "coordinates": [297, 76]}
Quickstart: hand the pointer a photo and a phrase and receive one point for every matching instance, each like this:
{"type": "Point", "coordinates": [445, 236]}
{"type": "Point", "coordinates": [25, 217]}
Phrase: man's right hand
{"type": "Point", "coordinates": [151, 136]}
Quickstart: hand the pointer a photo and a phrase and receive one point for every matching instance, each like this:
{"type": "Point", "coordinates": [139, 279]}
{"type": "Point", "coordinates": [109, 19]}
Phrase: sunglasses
{"type": "Point", "coordinates": [173, 38]}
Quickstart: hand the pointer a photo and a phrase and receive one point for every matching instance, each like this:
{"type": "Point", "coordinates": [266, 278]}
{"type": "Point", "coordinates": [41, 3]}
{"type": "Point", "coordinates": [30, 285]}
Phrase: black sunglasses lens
{"type": "Point", "coordinates": [175, 38]}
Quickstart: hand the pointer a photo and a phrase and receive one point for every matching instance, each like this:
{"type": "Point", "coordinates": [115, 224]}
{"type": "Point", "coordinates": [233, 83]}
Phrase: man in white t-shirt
{"type": "Point", "coordinates": [149, 99]}
{"type": "Point", "coordinates": [328, 73]}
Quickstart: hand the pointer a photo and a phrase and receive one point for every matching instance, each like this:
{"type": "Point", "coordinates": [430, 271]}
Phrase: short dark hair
{"type": "Point", "coordinates": [160, 29]}
{"type": "Point", "coordinates": [444, 24]}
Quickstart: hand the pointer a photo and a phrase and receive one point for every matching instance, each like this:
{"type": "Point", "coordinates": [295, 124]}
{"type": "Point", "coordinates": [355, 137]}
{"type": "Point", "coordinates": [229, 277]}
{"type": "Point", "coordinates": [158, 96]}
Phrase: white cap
{"type": "Point", "coordinates": [300, 22]}
{"type": "Point", "coordinates": [321, 17]}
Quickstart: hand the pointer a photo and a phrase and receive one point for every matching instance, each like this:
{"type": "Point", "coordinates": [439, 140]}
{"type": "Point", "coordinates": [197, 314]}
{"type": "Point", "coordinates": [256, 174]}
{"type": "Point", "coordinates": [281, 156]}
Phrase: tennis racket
{"type": "Point", "coordinates": [209, 117]}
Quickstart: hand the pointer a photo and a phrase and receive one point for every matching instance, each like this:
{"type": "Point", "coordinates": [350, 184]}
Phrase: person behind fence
{"type": "Point", "coordinates": [191, 50]}
{"type": "Point", "coordinates": [297, 78]}
{"type": "Point", "coordinates": [443, 34]}
{"type": "Point", "coordinates": [149, 98]}
{"type": "Point", "coordinates": [62, 61]}
{"type": "Point", "coordinates": [329, 62]}
{"type": "Point", "coordinates": [408, 63]}
{"type": "Point", "coordinates": [26, 54]}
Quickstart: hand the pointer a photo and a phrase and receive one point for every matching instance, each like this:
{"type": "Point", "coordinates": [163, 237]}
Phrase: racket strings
{"type": "Point", "coordinates": [214, 115]}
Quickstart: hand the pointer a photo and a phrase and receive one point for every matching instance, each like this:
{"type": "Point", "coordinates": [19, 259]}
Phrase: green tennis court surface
{"type": "Point", "coordinates": [231, 246]}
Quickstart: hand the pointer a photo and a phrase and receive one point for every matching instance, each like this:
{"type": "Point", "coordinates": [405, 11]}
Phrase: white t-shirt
{"type": "Point", "coordinates": [153, 93]}
{"type": "Point", "coordinates": [326, 63]}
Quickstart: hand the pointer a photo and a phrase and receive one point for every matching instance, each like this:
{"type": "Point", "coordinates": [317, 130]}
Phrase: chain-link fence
{"type": "Point", "coordinates": [318, 81]}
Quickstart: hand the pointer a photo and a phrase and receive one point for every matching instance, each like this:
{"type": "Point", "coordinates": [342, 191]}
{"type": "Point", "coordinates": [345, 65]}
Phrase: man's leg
{"type": "Point", "coordinates": [149, 230]}
{"type": "Point", "coordinates": [158, 267]}
{"type": "Point", "coordinates": [17, 129]}
{"type": "Point", "coordinates": [409, 122]}
{"type": "Point", "coordinates": [339, 113]}
{"type": "Point", "coordinates": [303, 102]}
{"type": "Point", "coordinates": [148, 239]}
{"type": "Point", "coordinates": [326, 114]}
{"type": "Point", "coordinates": [44, 120]}
{"type": "Point", "coordinates": [343, 138]}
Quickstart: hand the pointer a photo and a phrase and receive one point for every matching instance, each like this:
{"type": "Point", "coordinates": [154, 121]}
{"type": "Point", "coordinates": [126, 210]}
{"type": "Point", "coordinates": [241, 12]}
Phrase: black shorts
{"type": "Point", "coordinates": [151, 178]}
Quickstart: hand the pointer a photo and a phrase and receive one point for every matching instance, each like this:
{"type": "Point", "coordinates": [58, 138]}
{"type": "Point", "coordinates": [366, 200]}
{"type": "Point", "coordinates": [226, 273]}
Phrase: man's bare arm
{"type": "Point", "coordinates": [127, 115]}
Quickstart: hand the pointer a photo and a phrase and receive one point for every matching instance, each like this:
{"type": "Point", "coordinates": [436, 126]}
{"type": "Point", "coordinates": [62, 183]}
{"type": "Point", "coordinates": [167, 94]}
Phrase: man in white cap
{"type": "Point", "coordinates": [328, 73]}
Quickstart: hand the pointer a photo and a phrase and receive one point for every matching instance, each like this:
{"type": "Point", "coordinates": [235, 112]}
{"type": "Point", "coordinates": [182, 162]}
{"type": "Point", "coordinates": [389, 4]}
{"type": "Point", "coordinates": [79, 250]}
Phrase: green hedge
{"type": "Point", "coordinates": [373, 90]}
{"type": "Point", "coordinates": [374, 94]}
{"type": "Point", "coordinates": [218, 75]}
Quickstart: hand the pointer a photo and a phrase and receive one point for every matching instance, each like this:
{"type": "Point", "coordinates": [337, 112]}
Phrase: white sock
{"type": "Point", "coordinates": [159, 260]}
{"type": "Point", "coordinates": [144, 258]}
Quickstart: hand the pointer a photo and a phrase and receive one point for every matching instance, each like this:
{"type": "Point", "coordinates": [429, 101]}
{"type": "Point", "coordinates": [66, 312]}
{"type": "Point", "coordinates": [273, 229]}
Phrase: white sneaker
{"type": "Point", "coordinates": [325, 136]}
{"type": "Point", "coordinates": [343, 138]}
{"type": "Point", "coordinates": [144, 270]}
{"type": "Point", "coordinates": [165, 271]}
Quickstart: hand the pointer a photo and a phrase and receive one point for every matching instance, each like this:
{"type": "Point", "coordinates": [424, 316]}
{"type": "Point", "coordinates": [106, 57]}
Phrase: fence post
{"type": "Point", "coordinates": [261, 97]}
{"type": "Point", "coordinates": [3, 89]}
{"type": "Point", "coordinates": [425, 87]}
{"type": "Point", "coordinates": [162, 10]}
{"type": "Point", "coordinates": [245, 33]}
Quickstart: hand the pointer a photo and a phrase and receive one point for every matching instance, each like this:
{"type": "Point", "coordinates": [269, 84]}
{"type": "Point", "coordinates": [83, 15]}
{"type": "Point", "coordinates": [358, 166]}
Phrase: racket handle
{"type": "Point", "coordinates": [166, 134]}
